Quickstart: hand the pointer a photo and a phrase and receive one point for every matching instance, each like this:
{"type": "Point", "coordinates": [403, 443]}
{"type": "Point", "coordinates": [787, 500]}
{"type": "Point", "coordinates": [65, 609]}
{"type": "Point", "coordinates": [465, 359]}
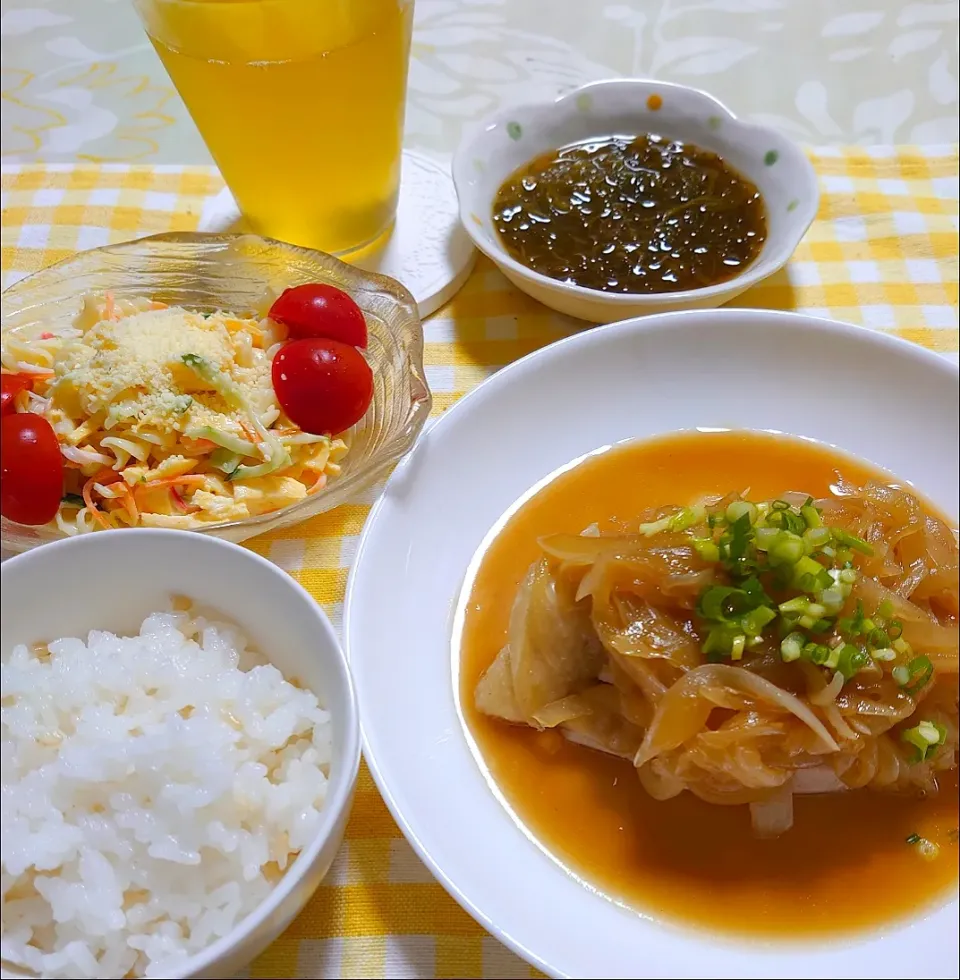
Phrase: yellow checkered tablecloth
{"type": "Point", "coordinates": [882, 253]}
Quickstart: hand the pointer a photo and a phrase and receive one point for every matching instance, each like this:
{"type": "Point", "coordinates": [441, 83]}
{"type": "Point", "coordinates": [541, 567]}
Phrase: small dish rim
{"type": "Point", "coordinates": [759, 269]}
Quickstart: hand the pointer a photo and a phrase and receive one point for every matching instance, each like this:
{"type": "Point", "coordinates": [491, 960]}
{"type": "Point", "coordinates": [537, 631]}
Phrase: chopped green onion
{"type": "Point", "coordinates": [738, 508]}
{"type": "Point", "coordinates": [817, 653]}
{"type": "Point", "coordinates": [810, 575]}
{"type": "Point", "coordinates": [878, 638]}
{"type": "Point", "coordinates": [799, 604]}
{"type": "Point", "coordinates": [791, 647]}
{"type": "Point", "coordinates": [816, 537]}
{"type": "Point", "coordinates": [735, 551]}
{"type": "Point", "coordinates": [821, 626]}
{"type": "Point", "coordinates": [787, 549]}
{"type": "Point", "coordinates": [925, 738]}
{"type": "Point", "coordinates": [812, 516]}
{"type": "Point", "coordinates": [786, 520]}
{"type": "Point", "coordinates": [894, 629]}
{"type": "Point", "coordinates": [914, 839]}
{"type": "Point", "coordinates": [685, 518]}
{"type": "Point", "coordinates": [853, 626]}
{"type": "Point", "coordinates": [714, 601]}
{"type": "Point", "coordinates": [886, 655]}
{"type": "Point", "coordinates": [765, 536]}
{"type": "Point", "coordinates": [902, 647]}
{"type": "Point", "coordinates": [848, 576]}
{"type": "Point", "coordinates": [915, 675]}
{"type": "Point", "coordinates": [779, 505]}
{"type": "Point", "coordinates": [851, 660]}
{"type": "Point", "coordinates": [706, 549]}
{"type": "Point", "coordinates": [755, 620]}
{"type": "Point", "coordinates": [73, 500]}
{"type": "Point", "coordinates": [719, 642]}
{"type": "Point", "coordinates": [885, 609]}
{"type": "Point", "coordinates": [738, 646]}
{"type": "Point", "coordinates": [833, 599]}
{"type": "Point", "coordinates": [851, 541]}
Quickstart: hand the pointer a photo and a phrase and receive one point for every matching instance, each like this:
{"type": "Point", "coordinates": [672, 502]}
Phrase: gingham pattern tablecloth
{"type": "Point", "coordinates": [882, 253]}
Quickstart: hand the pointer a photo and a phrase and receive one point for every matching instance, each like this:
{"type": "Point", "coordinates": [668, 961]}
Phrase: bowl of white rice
{"type": "Point", "coordinates": [180, 745]}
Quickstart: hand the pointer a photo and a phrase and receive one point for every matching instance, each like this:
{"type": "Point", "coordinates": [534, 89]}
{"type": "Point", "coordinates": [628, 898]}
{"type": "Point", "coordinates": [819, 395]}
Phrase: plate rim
{"type": "Point", "coordinates": [640, 325]}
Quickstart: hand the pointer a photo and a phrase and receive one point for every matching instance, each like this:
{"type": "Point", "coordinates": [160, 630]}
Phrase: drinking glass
{"type": "Point", "coordinates": [300, 103]}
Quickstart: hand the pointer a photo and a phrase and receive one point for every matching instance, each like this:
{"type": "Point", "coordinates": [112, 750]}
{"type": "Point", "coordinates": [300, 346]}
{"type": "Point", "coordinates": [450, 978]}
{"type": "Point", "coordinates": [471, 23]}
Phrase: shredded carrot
{"type": "Point", "coordinates": [91, 506]}
{"type": "Point", "coordinates": [46, 335]}
{"type": "Point", "coordinates": [130, 501]}
{"type": "Point", "coordinates": [159, 306]}
{"type": "Point", "coordinates": [106, 476]}
{"type": "Point", "coordinates": [38, 373]}
{"type": "Point", "coordinates": [319, 485]}
{"type": "Point", "coordinates": [187, 479]}
{"type": "Point", "coordinates": [109, 308]}
{"type": "Point", "coordinates": [249, 433]}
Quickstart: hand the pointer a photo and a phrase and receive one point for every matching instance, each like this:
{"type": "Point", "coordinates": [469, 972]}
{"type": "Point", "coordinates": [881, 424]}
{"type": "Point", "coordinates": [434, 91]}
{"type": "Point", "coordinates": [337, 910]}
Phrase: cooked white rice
{"type": "Point", "coordinates": [154, 791]}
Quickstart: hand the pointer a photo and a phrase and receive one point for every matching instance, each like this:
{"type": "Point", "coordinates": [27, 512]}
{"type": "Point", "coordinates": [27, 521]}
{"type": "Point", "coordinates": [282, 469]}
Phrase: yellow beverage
{"type": "Point", "coordinates": [300, 103]}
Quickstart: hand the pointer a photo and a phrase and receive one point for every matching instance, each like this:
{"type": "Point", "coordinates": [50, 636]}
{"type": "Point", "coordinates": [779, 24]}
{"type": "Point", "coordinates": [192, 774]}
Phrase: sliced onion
{"type": "Point", "coordinates": [818, 779]}
{"type": "Point", "coordinates": [684, 709]}
{"type": "Point", "coordinates": [557, 712]}
{"type": "Point", "coordinates": [828, 693]}
{"type": "Point", "coordinates": [773, 816]}
{"type": "Point", "coordinates": [659, 782]}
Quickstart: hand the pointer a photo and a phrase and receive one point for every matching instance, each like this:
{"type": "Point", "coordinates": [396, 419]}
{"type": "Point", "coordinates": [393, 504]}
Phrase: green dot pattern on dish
{"type": "Point", "coordinates": [584, 102]}
{"type": "Point", "coordinates": [771, 157]}
{"type": "Point", "coordinates": [514, 130]}
{"type": "Point", "coordinates": [714, 122]}
{"type": "Point", "coordinates": [793, 205]}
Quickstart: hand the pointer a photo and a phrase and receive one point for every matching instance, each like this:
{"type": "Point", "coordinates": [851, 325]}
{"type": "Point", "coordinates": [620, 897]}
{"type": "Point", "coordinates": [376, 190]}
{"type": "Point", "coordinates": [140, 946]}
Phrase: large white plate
{"type": "Point", "coordinates": [875, 396]}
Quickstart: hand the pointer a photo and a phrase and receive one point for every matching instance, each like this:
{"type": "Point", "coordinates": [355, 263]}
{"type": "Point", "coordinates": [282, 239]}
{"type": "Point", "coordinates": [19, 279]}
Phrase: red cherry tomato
{"type": "Point", "coordinates": [10, 386]}
{"type": "Point", "coordinates": [323, 385]}
{"type": "Point", "coordinates": [318, 310]}
{"type": "Point", "coordinates": [31, 469]}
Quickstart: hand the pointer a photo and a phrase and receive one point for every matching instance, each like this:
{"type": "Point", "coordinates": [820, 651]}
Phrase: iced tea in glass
{"type": "Point", "coordinates": [300, 103]}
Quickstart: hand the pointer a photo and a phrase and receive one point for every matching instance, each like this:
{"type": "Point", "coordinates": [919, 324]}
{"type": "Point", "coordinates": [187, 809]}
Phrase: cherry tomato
{"type": "Point", "coordinates": [10, 386]}
{"type": "Point", "coordinates": [318, 310]}
{"type": "Point", "coordinates": [31, 469]}
{"type": "Point", "coordinates": [323, 385]}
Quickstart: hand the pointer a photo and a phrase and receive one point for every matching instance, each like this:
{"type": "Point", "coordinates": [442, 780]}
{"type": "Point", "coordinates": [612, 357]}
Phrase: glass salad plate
{"type": "Point", "coordinates": [232, 272]}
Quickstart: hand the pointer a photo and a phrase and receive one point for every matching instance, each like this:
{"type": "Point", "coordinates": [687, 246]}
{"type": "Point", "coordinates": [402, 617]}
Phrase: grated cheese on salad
{"type": "Point", "coordinates": [167, 417]}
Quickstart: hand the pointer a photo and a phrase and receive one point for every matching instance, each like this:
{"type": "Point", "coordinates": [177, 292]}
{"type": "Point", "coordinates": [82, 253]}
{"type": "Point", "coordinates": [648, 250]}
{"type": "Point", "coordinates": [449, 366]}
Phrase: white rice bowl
{"type": "Point", "coordinates": [154, 790]}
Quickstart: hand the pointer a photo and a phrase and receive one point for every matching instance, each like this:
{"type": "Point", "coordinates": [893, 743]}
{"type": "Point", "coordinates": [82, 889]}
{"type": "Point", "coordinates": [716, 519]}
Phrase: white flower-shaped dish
{"type": "Point", "coordinates": [497, 146]}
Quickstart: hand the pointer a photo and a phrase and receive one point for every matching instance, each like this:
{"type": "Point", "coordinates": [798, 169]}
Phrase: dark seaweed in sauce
{"type": "Point", "coordinates": [631, 215]}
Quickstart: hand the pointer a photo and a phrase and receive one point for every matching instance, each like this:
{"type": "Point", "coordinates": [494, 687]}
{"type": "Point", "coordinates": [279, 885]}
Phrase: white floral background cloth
{"type": "Point", "coordinates": [80, 81]}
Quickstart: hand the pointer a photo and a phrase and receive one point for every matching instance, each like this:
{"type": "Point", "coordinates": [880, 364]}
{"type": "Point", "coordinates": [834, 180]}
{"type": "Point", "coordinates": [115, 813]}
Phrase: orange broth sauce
{"type": "Point", "coordinates": [845, 865]}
